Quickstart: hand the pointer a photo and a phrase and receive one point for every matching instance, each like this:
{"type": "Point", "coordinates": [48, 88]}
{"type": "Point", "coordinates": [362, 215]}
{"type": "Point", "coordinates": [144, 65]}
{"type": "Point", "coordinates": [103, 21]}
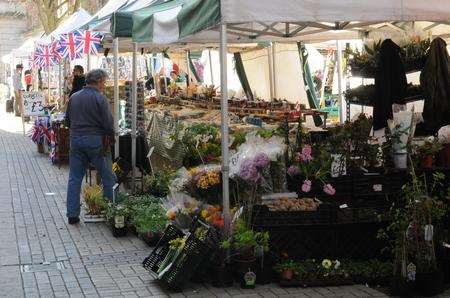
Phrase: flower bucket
{"type": "Point", "coordinates": [427, 161]}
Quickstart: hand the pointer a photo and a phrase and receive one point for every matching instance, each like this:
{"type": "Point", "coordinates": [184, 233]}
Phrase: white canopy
{"type": "Point", "coordinates": [68, 25]}
{"type": "Point", "coordinates": [238, 11]}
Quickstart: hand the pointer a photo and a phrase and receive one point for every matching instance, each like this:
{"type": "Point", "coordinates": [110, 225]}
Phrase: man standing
{"type": "Point", "coordinates": [78, 79]}
{"type": "Point", "coordinates": [91, 123]}
{"type": "Point", "coordinates": [18, 89]}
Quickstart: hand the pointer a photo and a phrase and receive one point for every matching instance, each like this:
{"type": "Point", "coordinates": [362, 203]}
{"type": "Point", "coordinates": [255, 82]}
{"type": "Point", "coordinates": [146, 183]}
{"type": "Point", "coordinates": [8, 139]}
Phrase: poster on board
{"type": "Point", "coordinates": [33, 104]}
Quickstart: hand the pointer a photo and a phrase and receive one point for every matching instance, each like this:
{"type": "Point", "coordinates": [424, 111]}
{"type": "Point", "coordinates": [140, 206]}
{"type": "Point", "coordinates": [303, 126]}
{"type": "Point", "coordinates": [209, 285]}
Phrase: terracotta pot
{"type": "Point", "coordinates": [427, 161]}
{"type": "Point", "coordinates": [287, 274]}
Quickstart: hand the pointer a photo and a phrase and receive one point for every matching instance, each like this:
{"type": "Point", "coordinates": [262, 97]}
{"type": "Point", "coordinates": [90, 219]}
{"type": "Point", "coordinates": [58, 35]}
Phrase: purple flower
{"type": "Point", "coordinates": [306, 187]}
{"type": "Point", "coordinates": [248, 171]}
{"type": "Point", "coordinates": [305, 155]}
{"type": "Point", "coordinates": [293, 170]}
{"type": "Point", "coordinates": [329, 189]}
{"type": "Point", "coordinates": [261, 160]}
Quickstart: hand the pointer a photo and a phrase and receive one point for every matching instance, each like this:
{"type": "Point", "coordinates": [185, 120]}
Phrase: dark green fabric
{"type": "Point", "coordinates": [192, 67]}
{"type": "Point", "coordinates": [198, 15]}
{"type": "Point", "coordinates": [435, 83]}
{"type": "Point", "coordinates": [240, 70]}
{"type": "Point", "coordinates": [122, 24]}
{"type": "Point", "coordinates": [308, 81]}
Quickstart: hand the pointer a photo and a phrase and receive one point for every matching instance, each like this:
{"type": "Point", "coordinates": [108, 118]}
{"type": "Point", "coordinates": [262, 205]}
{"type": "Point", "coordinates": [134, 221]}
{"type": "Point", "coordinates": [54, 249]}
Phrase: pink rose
{"type": "Point", "coordinates": [329, 189]}
{"type": "Point", "coordinates": [306, 187]}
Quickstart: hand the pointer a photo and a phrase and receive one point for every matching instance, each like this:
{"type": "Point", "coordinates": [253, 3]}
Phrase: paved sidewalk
{"type": "Point", "coordinates": [42, 256]}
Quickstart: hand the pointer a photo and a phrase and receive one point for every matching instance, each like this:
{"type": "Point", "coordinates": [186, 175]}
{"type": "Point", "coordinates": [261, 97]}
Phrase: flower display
{"type": "Point", "coordinates": [213, 215]}
{"type": "Point", "coordinates": [306, 187]}
{"type": "Point", "coordinates": [306, 155]}
{"type": "Point", "coordinates": [293, 170]}
{"type": "Point", "coordinates": [329, 189]}
{"type": "Point", "coordinates": [261, 160]}
{"type": "Point", "coordinates": [248, 171]}
{"type": "Point", "coordinates": [204, 178]}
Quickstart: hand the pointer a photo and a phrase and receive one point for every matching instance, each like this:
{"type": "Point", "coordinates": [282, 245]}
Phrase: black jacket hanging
{"type": "Point", "coordinates": [390, 83]}
{"type": "Point", "coordinates": [435, 83]}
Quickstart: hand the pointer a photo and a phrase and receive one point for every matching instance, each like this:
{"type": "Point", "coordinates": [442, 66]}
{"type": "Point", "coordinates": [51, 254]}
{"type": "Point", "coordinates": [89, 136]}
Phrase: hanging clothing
{"type": "Point", "coordinates": [435, 83]}
{"type": "Point", "coordinates": [390, 83]}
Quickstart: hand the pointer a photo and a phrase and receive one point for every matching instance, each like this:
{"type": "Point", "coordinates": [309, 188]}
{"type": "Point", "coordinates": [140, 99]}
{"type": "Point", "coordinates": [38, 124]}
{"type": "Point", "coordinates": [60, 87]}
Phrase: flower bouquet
{"type": "Point", "coordinates": [311, 170]}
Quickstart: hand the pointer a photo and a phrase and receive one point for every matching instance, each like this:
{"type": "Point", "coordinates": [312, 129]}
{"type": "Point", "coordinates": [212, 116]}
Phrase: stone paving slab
{"type": "Point", "coordinates": [83, 260]}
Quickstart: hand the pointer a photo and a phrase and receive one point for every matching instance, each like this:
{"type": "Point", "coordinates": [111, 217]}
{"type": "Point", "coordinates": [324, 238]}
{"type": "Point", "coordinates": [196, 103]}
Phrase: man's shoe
{"type": "Point", "coordinates": [74, 220]}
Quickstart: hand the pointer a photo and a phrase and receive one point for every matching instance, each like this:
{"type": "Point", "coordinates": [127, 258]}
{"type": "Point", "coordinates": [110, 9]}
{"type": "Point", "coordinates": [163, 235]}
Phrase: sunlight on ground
{"type": "Point", "coordinates": [10, 123]}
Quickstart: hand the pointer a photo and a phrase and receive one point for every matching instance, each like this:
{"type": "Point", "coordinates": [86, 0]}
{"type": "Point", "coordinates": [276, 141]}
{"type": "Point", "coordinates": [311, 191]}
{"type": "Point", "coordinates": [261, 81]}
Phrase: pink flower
{"type": "Point", "coordinates": [306, 187]}
{"type": "Point", "coordinates": [329, 189]}
{"type": "Point", "coordinates": [293, 170]}
{"type": "Point", "coordinates": [305, 155]}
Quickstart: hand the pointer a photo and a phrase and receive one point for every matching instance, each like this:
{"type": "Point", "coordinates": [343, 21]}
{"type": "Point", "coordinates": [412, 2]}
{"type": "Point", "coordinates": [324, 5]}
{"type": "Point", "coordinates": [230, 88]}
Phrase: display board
{"type": "Point", "coordinates": [33, 103]}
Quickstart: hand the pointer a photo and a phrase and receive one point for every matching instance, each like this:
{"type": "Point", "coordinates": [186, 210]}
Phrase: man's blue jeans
{"type": "Point", "coordinates": [85, 150]}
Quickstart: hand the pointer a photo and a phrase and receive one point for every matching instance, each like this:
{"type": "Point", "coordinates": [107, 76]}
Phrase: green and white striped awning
{"type": "Point", "coordinates": [166, 21]}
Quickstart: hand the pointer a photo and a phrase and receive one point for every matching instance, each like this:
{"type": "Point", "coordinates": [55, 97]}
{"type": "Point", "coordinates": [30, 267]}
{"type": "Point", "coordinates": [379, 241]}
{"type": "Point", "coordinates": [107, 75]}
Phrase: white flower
{"type": "Point", "coordinates": [326, 264]}
{"type": "Point", "coordinates": [337, 264]}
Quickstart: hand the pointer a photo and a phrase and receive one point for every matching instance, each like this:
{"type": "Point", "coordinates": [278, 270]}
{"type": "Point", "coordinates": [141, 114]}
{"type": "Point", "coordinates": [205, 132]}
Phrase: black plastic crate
{"type": "Point", "coordinates": [153, 261]}
{"type": "Point", "coordinates": [262, 216]}
{"type": "Point", "coordinates": [185, 265]}
{"type": "Point", "coordinates": [366, 214]}
{"type": "Point", "coordinates": [370, 184]}
{"type": "Point", "coordinates": [396, 180]}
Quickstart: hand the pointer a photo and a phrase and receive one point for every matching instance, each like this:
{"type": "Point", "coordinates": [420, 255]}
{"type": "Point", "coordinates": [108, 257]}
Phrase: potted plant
{"type": "Point", "coordinates": [117, 215]}
{"type": "Point", "coordinates": [243, 243]}
{"type": "Point", "coordinates": [149, 219]}
{"type": "Point", "coordinates": [428, 151]}
{"type": "Point", "coordinates": [158, 183]}
{"type": "Point", "coordinates": [95, 203]}
{"type": "Point", "coordinates": [286, 269]}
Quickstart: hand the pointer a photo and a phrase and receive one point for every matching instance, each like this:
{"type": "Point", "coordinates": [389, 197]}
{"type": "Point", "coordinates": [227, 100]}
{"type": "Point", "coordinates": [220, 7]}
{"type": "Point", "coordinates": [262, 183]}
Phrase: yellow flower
{"type": "Point", "coordinates": [204, 213]}
{"type": "Point", "coordinates": [326, 264]}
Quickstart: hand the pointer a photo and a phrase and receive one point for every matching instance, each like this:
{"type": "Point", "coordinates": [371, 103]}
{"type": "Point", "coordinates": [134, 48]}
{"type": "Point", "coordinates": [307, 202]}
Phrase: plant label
{"type": "Point", "coordinates": [377, 187]}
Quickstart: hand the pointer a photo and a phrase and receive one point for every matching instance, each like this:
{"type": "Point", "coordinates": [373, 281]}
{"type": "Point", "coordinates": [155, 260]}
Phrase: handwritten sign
{"type": "Point", "coordinates": [33, 104]}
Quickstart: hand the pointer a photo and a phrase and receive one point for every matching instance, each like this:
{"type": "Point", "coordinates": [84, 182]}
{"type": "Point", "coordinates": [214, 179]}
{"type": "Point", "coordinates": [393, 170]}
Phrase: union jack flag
{"type": "Point", "coordinates": [70, 46]}
{"type": "Point", "coordinates": [90, 41]}
{"type": "Point", "coordinates": [44, 55]}
{"type": "Point", "coordinates": [55, 48]}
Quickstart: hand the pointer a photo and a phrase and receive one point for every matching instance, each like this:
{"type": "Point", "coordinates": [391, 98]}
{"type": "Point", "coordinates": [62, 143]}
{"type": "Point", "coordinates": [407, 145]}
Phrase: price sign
{"type": "Point", "coordinates": [33, 104]}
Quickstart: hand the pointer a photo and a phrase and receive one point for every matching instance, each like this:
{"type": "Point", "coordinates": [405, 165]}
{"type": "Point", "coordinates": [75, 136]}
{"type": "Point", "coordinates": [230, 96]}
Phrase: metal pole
{"type": "Point", "coordinates": [274, 70]}
{"type": "Point", "coordinates": [210, 67]}
{"type": "Point", "coordinates": [59, 82]}
{"type": "Point", "coordinates": [339, 69]}
{"type": "Point", "coordinates": [269, 56]}
{"type": "Point", "coordinates": [164, 74]}
{"type": "Point", "coordinates": [133, 118]}
{"type": "Point", "coordinates": [116, 96]}
{"type": "Point", "coordinates": [48, 84]}
{"type": "Point", "coordinates": [88, 62]}
{"type": "Point", "coordinates": [188, 69]}
{"type": "Point", "coordinates": [224, 127]}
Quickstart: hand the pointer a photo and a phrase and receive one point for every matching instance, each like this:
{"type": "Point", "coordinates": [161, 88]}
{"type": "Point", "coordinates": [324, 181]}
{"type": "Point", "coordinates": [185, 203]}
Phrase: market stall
{"type": "Point", "coordinates": [355, 153]}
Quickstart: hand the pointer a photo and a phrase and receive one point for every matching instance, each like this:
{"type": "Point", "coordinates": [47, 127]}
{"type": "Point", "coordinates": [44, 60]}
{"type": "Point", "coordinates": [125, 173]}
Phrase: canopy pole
{"type": "Point", "coordinates": [164, 74]}
{"type": "Point", "coordinates": [88, 62]}
{"type": "Point", "coordinates": [274, 70]}
{"type": "Point", "coordinates": [48, 84]}
{"type": "Point", "coordinates": [60, 93]}
{"type": "Point", "coordinates": [210, 67]}
{"type": "Point", "coordinates": [269, 57]}
{"type": "Point", "coordinates": [224, 127]}
{"type": "Point", "coordinates": [116, 96]}
{"type": "Point", "coordinates": [339, 69]}
{"type": "Point", "coordinates": [133, 118]}
{"type": "Point", "coordinates": [188, 73]}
